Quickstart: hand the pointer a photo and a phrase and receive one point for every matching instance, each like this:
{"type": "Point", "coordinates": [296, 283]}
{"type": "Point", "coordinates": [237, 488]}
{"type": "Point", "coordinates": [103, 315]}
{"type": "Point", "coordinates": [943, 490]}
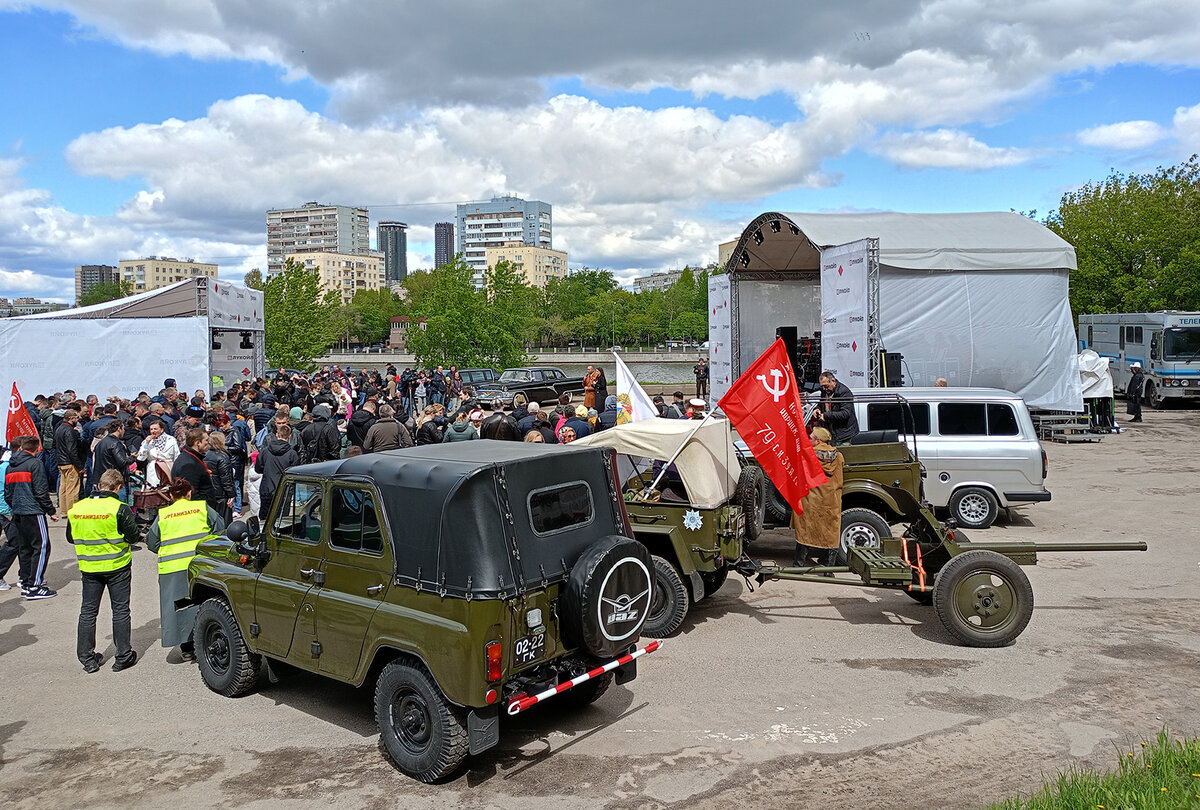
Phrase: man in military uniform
{"type": "Point", "coordinates": [102, 528]}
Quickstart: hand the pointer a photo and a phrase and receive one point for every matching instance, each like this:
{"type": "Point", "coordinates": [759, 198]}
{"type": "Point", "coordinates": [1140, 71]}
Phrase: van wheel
{"type": "Point", "coordinates": [751, 495]}
{"type": "Point", "coordinates": [423, 734]}
{"type": "Point", "coordinates": [1154, 399]}
{"type": "Point", "coordinates": [226, 664]}
{"type": "Point", "coordinates": [983, 598]}
{"type": "Point", "coordinates": [862, 528]}
{"type": "Point", "coordinates": [670, 602]}
{"type": "Point", "coordinates": [974, 507]}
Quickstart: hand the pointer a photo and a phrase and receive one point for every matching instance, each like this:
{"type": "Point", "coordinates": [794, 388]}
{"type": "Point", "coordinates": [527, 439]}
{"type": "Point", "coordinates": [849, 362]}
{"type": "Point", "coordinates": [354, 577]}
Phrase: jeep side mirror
{"type": "Point", "coordinates": [254, 526]}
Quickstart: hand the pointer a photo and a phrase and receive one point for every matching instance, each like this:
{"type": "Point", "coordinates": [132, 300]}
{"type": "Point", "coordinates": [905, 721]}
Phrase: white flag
{"type": "Point", "coordinates": [638, 405]}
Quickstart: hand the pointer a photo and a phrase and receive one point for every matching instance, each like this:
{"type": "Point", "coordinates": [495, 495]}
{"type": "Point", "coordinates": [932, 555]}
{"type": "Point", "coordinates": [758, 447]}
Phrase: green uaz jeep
{"type": "Point", "coordinates": [462, 579]}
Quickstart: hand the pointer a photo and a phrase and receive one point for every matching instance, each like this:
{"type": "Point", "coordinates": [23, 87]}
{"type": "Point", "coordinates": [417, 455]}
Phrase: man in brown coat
{"type": "Point", "coordinates": [386, 433]}
{"type": "Point", "coordinates": [818, 528]}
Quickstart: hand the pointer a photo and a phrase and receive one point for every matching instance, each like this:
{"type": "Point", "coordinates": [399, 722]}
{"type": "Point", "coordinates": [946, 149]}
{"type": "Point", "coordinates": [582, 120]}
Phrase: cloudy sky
{"type": "Point", "coordinates": [656, 129]}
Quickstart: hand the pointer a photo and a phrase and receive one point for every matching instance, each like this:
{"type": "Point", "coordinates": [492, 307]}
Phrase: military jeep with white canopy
{"type": "Point", "coordinates": [461, 579]}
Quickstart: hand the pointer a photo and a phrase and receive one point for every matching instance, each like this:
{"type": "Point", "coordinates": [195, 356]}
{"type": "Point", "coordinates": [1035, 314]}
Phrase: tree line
{"type": "Point", "coordinates": [452, 322]}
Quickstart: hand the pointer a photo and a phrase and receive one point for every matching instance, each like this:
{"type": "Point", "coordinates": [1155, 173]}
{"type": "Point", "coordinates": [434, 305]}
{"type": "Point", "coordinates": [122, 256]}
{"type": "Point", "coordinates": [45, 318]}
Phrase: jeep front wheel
{"type": "Point", "coordinates": [422, 733]}
{"type": "Point", "coordinates": [226, 664]}
{"type": "Point", "coordinates": [670, 602]}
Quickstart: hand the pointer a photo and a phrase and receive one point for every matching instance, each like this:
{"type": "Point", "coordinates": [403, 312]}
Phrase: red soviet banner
{"type": "Point", "coordinates": [20, 423]}
{"type": "Point", "coordinates": [764, 405]}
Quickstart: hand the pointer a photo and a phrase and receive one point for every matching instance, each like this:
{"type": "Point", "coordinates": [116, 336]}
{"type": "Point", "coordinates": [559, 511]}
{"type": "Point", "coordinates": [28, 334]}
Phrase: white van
{"type": "Point", "coordinates": [978, 446]}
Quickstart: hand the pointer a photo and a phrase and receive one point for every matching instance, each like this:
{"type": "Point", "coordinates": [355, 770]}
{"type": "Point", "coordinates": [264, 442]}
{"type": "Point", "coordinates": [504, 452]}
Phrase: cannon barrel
{"type": "Point", "coordinates": [1136, 546]}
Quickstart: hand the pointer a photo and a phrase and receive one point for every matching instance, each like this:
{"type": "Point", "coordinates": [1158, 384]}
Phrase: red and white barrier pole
{"type": "Point", "coordinates": [521, 703]}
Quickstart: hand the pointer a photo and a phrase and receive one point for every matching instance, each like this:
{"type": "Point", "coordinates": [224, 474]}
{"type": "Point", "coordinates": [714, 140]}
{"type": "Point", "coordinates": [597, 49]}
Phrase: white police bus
{"type": "Point", "coordinates": [1167, 344]}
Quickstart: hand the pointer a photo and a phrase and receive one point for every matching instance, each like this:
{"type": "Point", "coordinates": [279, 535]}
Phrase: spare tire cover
{"type": "Point", "coordinates": [608, 596]}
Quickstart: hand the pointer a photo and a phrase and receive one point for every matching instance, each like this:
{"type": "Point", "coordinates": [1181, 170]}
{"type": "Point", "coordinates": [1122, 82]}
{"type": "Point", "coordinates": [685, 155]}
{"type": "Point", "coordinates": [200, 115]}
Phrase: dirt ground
{"type": "Point", "coordinates": [793, 695]}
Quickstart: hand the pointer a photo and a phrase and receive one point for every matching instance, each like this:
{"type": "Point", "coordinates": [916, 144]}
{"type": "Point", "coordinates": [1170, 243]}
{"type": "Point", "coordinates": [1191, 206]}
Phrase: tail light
{"type": "Point", "coordinates": [1045, 464]}
{"type": "Point", "coordinates": [492, 655]}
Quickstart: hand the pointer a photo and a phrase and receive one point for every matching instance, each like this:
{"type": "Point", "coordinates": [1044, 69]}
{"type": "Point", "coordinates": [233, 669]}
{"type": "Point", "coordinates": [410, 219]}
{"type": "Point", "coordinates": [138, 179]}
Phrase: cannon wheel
{"type": "Point", "coordinates": [983, 598]}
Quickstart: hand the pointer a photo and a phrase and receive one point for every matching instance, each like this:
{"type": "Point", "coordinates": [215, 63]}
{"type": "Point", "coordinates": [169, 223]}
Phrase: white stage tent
{"type": "Point", "coordinates": [977, 298]}
{"type": "Point", "coordinates": [203, 332]}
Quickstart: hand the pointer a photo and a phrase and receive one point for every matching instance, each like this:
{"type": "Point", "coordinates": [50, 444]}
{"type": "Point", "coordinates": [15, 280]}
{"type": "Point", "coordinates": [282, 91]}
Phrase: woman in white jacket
{"type": "Point", "coordinates": [253, 479]}
{"type": "Point", "coordinates": [158, 446]}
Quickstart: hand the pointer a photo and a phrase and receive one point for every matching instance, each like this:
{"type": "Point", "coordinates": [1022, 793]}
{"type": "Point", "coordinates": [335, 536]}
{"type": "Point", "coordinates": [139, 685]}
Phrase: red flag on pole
{"type": "Point", "coordinates": [20, 423]}
{"type": "Point", "coordinates": [764, 405]}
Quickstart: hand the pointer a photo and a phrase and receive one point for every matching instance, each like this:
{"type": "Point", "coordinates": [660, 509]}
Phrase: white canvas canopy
{"type": "Point", "coordinates": [977, 298]}
{"type": "Point", "coordinates": [191, 331]}
{"type": "Point", "coordinates": [1094, 375]}
{"type": "Point", "coordinates": [708, 464]}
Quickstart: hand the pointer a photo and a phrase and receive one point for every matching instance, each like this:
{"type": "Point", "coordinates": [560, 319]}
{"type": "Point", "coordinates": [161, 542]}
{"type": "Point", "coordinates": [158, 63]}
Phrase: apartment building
{"type": "Point", "coordinates": [315, 228]}
{"type": "Point", "coordinates": [537, 265]}
{"type": "Point", "coordinates": [347, 273]}
{"type": "Point", "coordinates": [494, 224]}
{"type": "Point", "coordinates": [89, 275]}
{"type": "Point", "coordinates": [153, 272]}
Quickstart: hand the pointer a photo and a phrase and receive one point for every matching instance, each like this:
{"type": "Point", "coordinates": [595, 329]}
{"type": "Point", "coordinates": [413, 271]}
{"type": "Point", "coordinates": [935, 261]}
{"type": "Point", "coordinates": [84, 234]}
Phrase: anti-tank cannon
{"type": "Point", "coordinates": [979, 591]}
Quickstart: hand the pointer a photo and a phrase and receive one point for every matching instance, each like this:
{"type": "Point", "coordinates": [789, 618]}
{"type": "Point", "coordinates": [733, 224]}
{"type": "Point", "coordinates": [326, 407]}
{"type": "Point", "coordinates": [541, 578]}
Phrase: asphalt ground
{"type": "Point", "coordinates": [793, 695]}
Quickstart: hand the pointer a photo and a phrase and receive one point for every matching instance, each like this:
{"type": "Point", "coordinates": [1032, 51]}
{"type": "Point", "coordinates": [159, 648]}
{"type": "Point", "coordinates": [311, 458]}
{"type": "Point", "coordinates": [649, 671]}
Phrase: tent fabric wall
{"type": "Point", "coordinates": [104, 356]}
{"type": "Point", "coordinates": [1006, 329]}
{"type": "Point", "coordinates": [978, 298]}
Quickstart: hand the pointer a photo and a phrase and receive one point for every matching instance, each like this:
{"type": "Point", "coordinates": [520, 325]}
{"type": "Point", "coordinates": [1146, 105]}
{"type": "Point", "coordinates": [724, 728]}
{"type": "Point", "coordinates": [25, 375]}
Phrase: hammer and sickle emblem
{"type": "Point", "coordinates": [14, 404]}
{"type": "Point", "coordinates": [774, 389]}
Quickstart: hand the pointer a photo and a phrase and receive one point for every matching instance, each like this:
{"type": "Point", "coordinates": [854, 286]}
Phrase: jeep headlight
{"type": "Point", "coordinates": [533, 618]}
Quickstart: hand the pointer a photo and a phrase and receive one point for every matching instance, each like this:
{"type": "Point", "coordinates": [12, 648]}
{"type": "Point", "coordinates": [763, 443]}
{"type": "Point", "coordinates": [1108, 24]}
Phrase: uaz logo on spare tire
{"type": "Point", "coordinates": [616, 613]}
{"type": "Point", "coordinates": [608, 596]}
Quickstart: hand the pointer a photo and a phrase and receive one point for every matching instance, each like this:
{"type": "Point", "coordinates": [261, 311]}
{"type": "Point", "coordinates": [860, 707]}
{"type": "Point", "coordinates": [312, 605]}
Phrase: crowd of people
{"type": "Point", "coordinates": [168, 469]}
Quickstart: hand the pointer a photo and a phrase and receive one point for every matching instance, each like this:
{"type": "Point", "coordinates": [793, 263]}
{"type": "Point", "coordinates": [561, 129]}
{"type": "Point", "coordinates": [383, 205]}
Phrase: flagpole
{"type": "Point", "coordinates": [683, 444]}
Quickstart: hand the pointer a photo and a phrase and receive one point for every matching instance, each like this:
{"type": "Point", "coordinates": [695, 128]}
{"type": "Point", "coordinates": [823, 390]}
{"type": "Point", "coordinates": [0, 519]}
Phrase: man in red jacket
{"type": "Point", "coordinates": [27, 493]}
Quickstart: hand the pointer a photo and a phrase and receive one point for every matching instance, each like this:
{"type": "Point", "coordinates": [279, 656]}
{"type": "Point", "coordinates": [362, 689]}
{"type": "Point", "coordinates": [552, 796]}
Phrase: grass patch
{"type": "Point", "coordinates": [1159, 775]}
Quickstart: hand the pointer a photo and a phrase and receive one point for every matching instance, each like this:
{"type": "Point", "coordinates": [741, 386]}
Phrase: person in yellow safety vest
{"type": "Point", "coordinates": [174, 535]}
{"type": "Point", "coordinates": [102, 529]}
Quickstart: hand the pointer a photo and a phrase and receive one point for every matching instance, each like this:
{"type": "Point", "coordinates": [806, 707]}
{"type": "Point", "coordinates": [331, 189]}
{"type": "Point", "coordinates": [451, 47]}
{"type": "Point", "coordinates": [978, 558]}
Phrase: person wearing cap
{"type": "Point", "coordinates": [578, 423]}
{"type": "Point", "coordinates": [465, 427]}
{"type": "Point", "coordinates": [1133, 392]}
{"type": "Point", "coordinates": [193, 415]}
{"type": "Point", "coordinates": [695, 408]}
{"type": "Point", "coordinates": [818, 527]}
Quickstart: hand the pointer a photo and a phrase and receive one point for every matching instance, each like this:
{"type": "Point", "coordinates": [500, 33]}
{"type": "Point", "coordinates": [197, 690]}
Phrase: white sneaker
{"type": "Point", "coordinates": [4, 586]}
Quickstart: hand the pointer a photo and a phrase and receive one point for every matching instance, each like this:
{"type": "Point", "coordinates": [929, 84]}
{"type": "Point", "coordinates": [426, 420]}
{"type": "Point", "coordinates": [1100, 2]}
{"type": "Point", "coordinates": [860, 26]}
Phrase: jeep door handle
{"type": "Point", "coordinates": [375, 590]}
{"type": "Point", "coordinates": [307, 572]}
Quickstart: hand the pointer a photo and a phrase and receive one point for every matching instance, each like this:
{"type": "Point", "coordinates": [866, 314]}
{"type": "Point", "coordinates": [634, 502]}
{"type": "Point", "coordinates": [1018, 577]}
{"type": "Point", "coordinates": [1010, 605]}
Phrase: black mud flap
{"type": "Point", "coordinates": [626, 673]}
{"type": "Point", "coordinates": [483, 728]}
{"type": "Point", "coordinates": [697, 583]}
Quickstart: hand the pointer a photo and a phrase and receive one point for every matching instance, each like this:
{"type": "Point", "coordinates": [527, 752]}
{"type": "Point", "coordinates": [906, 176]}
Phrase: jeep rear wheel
{"type": "Point", "coordinates": [670, 602]}
{"type": "Point", "coordinates": [226, 664]}
{"type": "Point", "coordinates": [607, 597]}
{"type": "Point", "coordinates": [861, 528]}
{"type": "Point", "coordinates": [777, 508]}
{"type": "Point", "coordinates": [422, 733]}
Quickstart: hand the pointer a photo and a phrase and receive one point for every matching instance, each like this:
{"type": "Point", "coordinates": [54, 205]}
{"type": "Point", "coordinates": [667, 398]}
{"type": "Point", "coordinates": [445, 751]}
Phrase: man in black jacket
{"type": "Point", "coordinates": [272, 461]}
{"type": "Point", "coordinates": [70, 455]}
{"type": "Point", "coordinates": [360, 422]}
{"type": "Point", "coordinates": [27, 494]}
{"type": "Point", "coordinates": [325, 440]}
{"type": "Point", "coordinates": [191, 467]}
{"type": "Point", "coordinates": [111, 453]}
{"type": "Point", "coordinates": [836, 411]}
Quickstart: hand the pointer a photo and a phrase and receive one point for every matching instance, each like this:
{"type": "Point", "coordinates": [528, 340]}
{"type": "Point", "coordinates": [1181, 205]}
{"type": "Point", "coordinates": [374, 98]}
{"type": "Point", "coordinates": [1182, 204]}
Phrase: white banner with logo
{"type": "Point", "coordinates": [720, 338]}
{"type": "Point", "coordinates": [844, 313]}
{"type": "Point", "coordinates": [232, 306]}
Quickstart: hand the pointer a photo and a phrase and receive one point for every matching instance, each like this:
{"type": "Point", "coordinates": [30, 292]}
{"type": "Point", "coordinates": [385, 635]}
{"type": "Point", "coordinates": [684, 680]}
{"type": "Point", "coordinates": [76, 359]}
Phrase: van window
{"type": "Point", "coordinates": [962, 419]}
{"type": "Point", "coordinates": [977, 419]}
{"type": "Point", "coordinates": [1001, 420]}
{"type": "Point", "coordinates": [894, 415]}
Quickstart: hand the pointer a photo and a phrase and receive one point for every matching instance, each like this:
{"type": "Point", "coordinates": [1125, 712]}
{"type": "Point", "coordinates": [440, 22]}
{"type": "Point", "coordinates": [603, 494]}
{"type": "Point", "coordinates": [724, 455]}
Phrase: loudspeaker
{"type": "Point", "coordinates": [788, 335]}
{"type": "Point", "coordinates": [889, 366]}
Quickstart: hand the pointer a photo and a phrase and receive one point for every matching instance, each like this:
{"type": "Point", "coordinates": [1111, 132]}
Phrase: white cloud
{"type": "Point", "coordinates": [946, 149]}
{"type": "Point", "coordinates": [1126, 135]}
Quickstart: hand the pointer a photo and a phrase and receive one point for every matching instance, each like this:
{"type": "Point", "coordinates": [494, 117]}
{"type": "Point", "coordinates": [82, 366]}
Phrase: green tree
{"type": "Point", "coordinates": [509, 317]}
{"type": "Point", "coordinates": [1136, 240]}
{"type": "Point", "coordinates": [455, 315]}
{"type": "Point", "coordinates": [254, 279]}
{"type": "Point", "coordinates": [416, 287]}
{"type": "Point", "coordinates": [297, 317]}
{"type": "Point", "coordinates": [105, 291]}
{"type": "Point", "coordinates": [373, 314]}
